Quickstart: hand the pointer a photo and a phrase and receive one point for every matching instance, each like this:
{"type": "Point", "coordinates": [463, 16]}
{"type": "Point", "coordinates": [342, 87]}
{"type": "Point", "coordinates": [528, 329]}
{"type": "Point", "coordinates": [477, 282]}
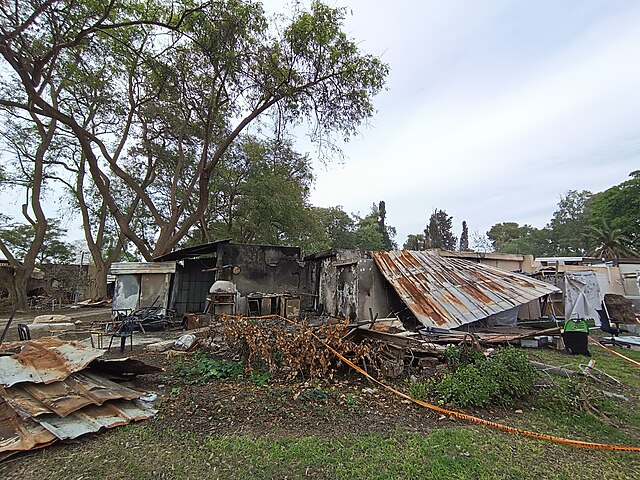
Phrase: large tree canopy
{"type": "Point", "coordinates": [179, 83]}
{"type": "Point", "coordinates": [605, 225]}
{"type": "Point", "coordinates": [260, 194]}
{"type": "Point", "coordinates": [18, 238]}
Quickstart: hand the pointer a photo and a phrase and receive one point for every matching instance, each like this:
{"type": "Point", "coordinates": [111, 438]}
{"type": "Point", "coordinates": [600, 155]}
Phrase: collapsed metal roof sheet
{"type": "Point", "coordinates": [22, 434]}
{"type": "Point", "coordinates": [18, 435]}
{"type": "Point", "coordinates": [93, 418]}
{"type": "Point", "coordinates": [46, 394]}
{"type": "Point", "coordinates": [451, 292]}
{"type": "Point", "coordinates": [62, 398]}
{"type": "Point", "coordinates": [44, 360]}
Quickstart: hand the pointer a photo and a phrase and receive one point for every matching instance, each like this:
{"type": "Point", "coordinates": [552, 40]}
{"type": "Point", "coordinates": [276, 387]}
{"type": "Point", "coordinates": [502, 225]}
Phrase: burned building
{"type": "Point", "coordinates": [181, 281]}
{"type": "Point", "coordinates": [424, 288]}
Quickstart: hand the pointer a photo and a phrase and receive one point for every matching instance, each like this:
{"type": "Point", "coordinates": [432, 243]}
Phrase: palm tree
{"type": "Point", "coordinates": [611, 243]}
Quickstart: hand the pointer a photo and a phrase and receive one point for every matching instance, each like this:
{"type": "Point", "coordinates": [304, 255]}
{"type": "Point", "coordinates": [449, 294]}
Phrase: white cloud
{"type": "Point", "coordinates": [489, 146]}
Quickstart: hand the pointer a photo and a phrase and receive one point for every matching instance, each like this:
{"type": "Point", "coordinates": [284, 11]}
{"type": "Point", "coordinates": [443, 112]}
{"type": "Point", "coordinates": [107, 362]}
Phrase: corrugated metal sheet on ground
{"type": "Point", "coordinates": [93, 418]}
{"type": "Point", "coordinates": [18, 435]}
{"type": "Point", "coordinates": [62, 398]}
{"type": "Point", "coordinates": [44, 360]}
{"type": "Point", "coordinates": [22, 434]}
{"type": "Point", "coordinates": [451, 292]}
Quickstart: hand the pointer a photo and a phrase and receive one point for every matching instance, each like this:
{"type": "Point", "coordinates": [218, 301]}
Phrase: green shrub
{"type": "Point", "coordinates": [513, 373]}
{"type": "Point", "coordinates": [474, 380]}
{"type": "Point", "coordinates": [260, 379]}
{"type": "Point", "coordinates": [458, 357]}
{"type": "Point", "coordinates": [468, 386]}
{"type": "Point", "coordinates": [422, 390]}
{"type": "Point", "coordinates": [206, 368]}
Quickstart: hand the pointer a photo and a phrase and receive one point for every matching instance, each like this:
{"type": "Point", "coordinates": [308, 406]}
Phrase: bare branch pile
{"type": "Point", "coordinates": [270, 343]}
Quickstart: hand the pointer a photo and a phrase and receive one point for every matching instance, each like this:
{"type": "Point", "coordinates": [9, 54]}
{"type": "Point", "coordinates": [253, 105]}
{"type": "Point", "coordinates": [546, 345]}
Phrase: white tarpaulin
{"type": "Point", "coordinates": [582, 297]}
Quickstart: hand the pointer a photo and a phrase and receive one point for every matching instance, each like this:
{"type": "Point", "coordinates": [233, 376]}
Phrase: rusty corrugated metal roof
{"type": "Point", "coordinates": [62, 398]}
{"type": "Point", "coordinates": [44, 360]}
{"type": "Point", "coordinates": [22, 434]}
{"type": "Point", "coordinates": [450, 292]}
{"type": "Point", "coordinates": [93, 418]}
{"type": "Point", "coordinates": [47, 394]}
{"type": "Point", "coordinates": [18, 434]}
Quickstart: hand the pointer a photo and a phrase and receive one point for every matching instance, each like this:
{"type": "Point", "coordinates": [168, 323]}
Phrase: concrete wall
{"type": "Point", "coordinates": [265, 269]}
{"type": "Point", "coordinates": [337, 283]}
{"type": "Point", "coordinates": [630, 273]}
{"type": "Point", "coordinates": [375, 295]}
{"type": "Point", "coordinates": [64, 280]}
{"type": "Point", "coordinates": [505, 261]}
{"type": "Point", "coordinates": [350, 284]}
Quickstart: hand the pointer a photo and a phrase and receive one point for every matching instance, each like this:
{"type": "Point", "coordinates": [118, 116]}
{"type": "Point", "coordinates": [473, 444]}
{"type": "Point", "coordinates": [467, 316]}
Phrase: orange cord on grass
{"type": "Point", "coordinates": [461, 415]}
{"type": "Point", "coordinates": [618, 354]}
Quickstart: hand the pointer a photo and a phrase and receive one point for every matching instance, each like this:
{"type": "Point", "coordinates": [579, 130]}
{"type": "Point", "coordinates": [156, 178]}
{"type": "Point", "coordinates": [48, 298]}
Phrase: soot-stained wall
{"type": "Point", "coordinates": [264, 268]}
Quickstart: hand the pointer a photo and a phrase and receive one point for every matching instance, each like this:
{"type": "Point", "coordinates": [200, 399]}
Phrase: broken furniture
{"type": "Point", "coordinates": [146, 318]}
{"type": "Point", "coordinates": [23, 332]}
{"type": "Point", "coordinates": [283, 304]}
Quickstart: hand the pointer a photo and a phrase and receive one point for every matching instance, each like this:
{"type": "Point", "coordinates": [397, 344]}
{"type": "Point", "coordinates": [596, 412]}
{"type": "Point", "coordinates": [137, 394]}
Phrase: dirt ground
{"type": "Point", "coordinates": [279, 408]}
{"type": "Point", "coordinates": [256, 407]}
{"type": "Point", "coordinates": [86, 315]}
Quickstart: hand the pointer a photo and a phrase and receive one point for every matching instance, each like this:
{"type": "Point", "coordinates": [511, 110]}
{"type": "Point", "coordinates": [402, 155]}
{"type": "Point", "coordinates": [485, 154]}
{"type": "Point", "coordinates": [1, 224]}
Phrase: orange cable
{"type": "Point", "coordinates": [465, 416]}
{"type": "Point", "coordinates": [618, 354]}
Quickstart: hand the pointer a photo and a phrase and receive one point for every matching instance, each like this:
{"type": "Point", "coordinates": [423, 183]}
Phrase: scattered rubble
{"type": "Point", "coordinates": [52, 319]}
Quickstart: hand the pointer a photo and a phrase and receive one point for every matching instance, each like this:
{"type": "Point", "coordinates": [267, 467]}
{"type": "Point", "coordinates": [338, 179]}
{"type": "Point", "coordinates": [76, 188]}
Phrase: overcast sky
{"type": "Point", "coordinates": [493, 109]}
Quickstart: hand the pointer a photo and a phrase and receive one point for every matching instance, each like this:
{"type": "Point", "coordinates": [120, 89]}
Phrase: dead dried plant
{"type": "Point", "coordinates": [272, 343]}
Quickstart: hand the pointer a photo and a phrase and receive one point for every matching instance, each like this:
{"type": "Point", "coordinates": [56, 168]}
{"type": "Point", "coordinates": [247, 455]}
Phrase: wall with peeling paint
{"type": "Point", "coordinates": [350, 284]}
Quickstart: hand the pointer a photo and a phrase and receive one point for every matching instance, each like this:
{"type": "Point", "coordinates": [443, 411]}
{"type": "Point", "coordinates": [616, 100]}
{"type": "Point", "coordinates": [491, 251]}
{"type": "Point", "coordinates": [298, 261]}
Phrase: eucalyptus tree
{"type": "Point", "coordinates": [25, 141]}
{"type": "Point", "coordinates": [259, 194]}
{"type": "Point", "coordinates": [207, 71]}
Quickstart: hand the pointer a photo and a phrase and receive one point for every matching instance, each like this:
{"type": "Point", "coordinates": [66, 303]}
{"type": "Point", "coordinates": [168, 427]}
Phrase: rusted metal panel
{"type": "Point", "coordinates": [93, 418]}
{"type": "Point", "coordinates": [62, 398]}
{"type": "Point", "coordinates": [22, 402]}
{"type": "Point", "coordinates": [17, 434]}
{"type": "Point", "coordinates": [44, 360]}
{"type": "Point", "coordinates": [450, 292]}
{"type": "Point", "coordinates": [22, 434]}
{"type": "Point", "coordinates": [46, 395]}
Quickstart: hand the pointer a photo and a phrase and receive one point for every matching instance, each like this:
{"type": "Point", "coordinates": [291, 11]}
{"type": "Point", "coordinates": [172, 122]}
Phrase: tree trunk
{"type": "Point", "coordinates": [101, 277]}
{"type": "Point", "coordinates": [17, 286]}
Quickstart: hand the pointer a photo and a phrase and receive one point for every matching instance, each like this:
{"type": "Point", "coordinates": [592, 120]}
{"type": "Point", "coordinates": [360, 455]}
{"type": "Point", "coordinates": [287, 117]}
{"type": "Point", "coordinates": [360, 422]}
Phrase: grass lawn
{"type": "Point", "coordinates": [146, 452]}
{"type": "Point", "coordinates": [161, 449]}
